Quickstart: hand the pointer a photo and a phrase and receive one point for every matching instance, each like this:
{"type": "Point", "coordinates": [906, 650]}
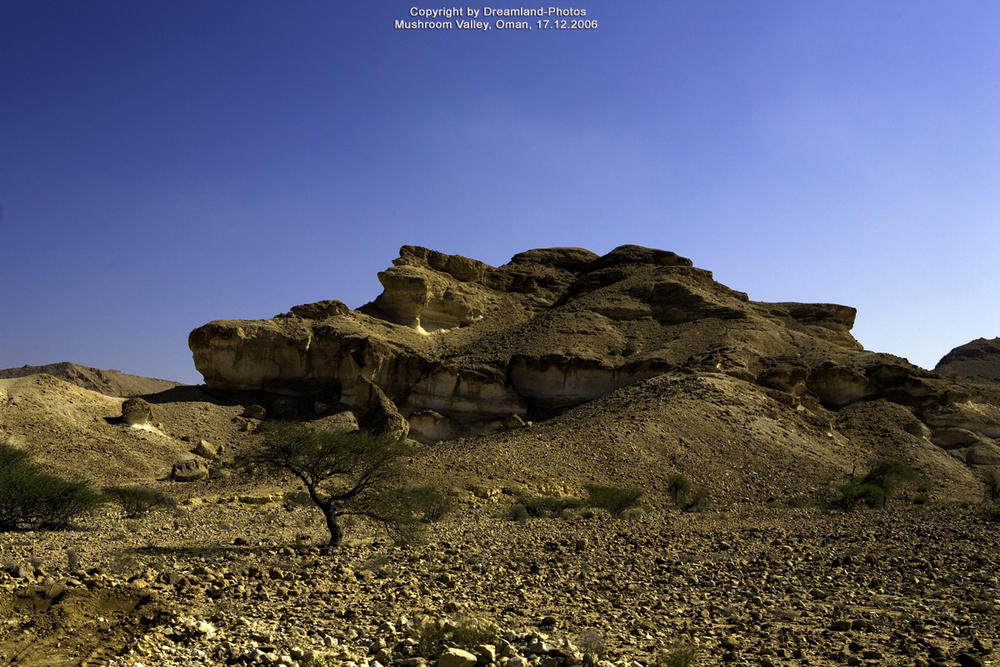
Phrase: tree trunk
{"type": "Point", "coordinates": [336, 532]}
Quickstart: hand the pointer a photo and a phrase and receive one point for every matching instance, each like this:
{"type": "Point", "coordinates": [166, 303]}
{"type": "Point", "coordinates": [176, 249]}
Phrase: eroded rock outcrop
{"type": "Point", "coordinates": [375, 412]}
{"type": "Point", "coordinates": [137, 412]}
{"type": "Point", "coordinates": [454, 347]}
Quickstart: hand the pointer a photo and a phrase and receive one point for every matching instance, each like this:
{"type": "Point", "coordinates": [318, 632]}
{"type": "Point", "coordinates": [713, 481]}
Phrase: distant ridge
{"type": "Point", "coordinates": [107, 382]}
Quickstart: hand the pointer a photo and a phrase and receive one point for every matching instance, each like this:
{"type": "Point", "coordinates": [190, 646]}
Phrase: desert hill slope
{"type": "Point", "coordinates": [108, 382]}
{"type": "Point", "coordinates": [79, 433]}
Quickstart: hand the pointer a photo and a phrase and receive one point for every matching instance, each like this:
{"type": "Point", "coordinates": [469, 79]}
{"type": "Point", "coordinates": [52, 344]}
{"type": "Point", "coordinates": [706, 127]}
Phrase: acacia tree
{"type": "Point", "coordinates": [344, 473]}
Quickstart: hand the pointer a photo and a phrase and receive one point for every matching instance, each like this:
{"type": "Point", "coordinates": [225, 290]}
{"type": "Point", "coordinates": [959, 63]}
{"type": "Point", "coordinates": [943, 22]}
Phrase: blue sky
{"type": "Point", "coordinates": [163, 164]}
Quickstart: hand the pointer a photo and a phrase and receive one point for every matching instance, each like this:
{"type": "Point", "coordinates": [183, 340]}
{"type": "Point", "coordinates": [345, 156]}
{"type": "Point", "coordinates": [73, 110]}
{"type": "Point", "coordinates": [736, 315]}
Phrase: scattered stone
{"type": "Point", "coordinates": [456, 657]}
{"type": "Point", "coordinates": [206, 450]}
{"type": "Point", "coordinates": [189, 470]}
{"type": "Point", "coordinates": [968, 660]}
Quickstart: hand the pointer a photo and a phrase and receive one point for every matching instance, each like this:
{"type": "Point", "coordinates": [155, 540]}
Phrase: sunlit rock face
{"type": "Point", "coordinates": [458, 347]}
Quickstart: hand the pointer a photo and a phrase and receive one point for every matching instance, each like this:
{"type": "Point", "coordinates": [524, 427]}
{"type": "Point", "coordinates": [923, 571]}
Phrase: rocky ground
{"type": "Point", "coordinates": [226, 580]}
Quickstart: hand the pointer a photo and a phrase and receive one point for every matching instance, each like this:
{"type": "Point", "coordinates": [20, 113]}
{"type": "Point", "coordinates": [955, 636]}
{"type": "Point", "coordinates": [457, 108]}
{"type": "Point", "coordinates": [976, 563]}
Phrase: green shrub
{"type": "Point", "coordinates": [592, 642]}
{"type": "Point", "coordinates": [612, 498]}
{"type": "Point", "coordinates": [697, 502]}
{"type": "Point", "coordinates": [921, 499]}
{"type": "Point", "coordinates": [345, 473]}
{"type": "Point", "coordinates": [876, 487]}
{"type": "Point", "coordinates": [31, 498]}
{"type": "Point", "coordinates": [992, 481]}
{"type": "Point", "coordinates": [470, 632]}
{"type": "Point", "coordinates": [518, 512]}
{"type": "Point", "coordinates": [887, 474]}
{"type": "Point", "coordinates": [431, 503]}
{"type": "Point", "coordinates": [433, 636]}
{"type": "Point", "coordinates": [857, 492]}
{"type": "Point", "coordinates": [548, 506]}
{"type": "Point", "coordinates": [683, 655]}
{"type": "Point", "coordinates": [137, 501]}
{"type": "Point", "coordinates": [677, 486]}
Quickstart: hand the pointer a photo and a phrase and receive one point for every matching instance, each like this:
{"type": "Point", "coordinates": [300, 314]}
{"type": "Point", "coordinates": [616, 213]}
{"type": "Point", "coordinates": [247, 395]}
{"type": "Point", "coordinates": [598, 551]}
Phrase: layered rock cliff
{"type": "Point", "coordinates": [461, 347]}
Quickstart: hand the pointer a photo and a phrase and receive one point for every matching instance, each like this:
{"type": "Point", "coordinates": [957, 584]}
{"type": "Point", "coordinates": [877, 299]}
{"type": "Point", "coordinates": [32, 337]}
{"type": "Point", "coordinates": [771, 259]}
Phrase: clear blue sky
{"type": "Point", "coordinates": [163, 164]}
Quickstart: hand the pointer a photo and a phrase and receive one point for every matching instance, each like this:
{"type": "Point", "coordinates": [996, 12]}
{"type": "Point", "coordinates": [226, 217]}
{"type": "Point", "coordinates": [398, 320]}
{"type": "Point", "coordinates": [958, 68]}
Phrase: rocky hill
{"type": "Point", "coordinates": [978, 358]}
{"type": "Point", "coordinates": [631, 365]}
{"type": "Point", "coordinates": [107, 382]}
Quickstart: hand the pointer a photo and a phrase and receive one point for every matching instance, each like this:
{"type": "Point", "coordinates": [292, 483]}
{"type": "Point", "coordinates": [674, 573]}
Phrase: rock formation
{"type": "Point", "coordinates": [137, 412]}
{"type": "Point", "coordinates": [458, 347]}
{"type": "Point", "coordinates": [978, 358]}
{"type": "Point", "coordinates": [375, 413]}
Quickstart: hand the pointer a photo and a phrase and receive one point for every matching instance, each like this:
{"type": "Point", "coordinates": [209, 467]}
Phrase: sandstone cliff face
{"type": "Point", "coordinates": [460, 347]}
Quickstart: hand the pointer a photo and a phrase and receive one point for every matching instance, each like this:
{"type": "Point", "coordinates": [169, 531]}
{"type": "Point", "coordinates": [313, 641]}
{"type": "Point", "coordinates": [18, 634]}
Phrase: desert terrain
{"type": "Point", "coordinates": [535, 379]}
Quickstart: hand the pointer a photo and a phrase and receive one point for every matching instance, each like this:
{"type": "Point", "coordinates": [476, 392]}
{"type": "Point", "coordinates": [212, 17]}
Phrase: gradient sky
{"type": "Point", "coordinates": [166, 163]}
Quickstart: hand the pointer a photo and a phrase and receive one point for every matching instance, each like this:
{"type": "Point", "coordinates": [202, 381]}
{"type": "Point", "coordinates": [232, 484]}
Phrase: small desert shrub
{"type": "Point", "coordinates": [612, 498]}
{"type": "Point", "coordinates": [32, 498]}
{"type": "Point", "coordinates": [679, 656]}
{"type": "Point", "coordinates": [992, 481]}
{"type": "Point", "coordinates": [125, 565]}
{"type": "Point", "coordinates": [430, 637]}
{"type": "Point", "coordinates": [432, 503]}
{"type": "Point", "coordinates": [518, 512]}
{"type": "Point", "coordinates": [697, 501]}
{"type": "Point", "coordinates": [137, 501]}
{"type": "Point", "coordinates": [677, 486]}
{"type": "Point", "coordinates": [887, 474]}
{"type": "Point", "coordinates": [470, 632]}
{"type": "Point", "coordinates": [547, 506]}
{"type": "Point", "coordinates": [592, 642]}
{"type": "Point", "coordinates": [857, 492]}
{"type": "Point", "coordinates": [293, 499]}
{"type": "Point", "coordinates": [433, 636]}
{"type": "Point", "coordinates": [877, 486]}
{"type": "Point", "coordinates": [920, 499]}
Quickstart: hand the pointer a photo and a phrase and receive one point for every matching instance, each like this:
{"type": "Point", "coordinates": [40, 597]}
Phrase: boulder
{"type": "Point", "coordinates": [189, 470]}
{"type": "Point", "coordinates": [985, 454]}
{"type": "Point", "coordinates": [951, 437]}
{"type": "Point", "coordinates": [255, 411]}
{"type": "Point", "coordinates": [431, 426]}
{"type": "Point", "coordinates": [205, 449]}
{"type": "Point", "coordinates": [456, 657]}
{"type": "Point", "coordinates": [137, 412]}
{"type": "Point", "coordinates": [376, 413]}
